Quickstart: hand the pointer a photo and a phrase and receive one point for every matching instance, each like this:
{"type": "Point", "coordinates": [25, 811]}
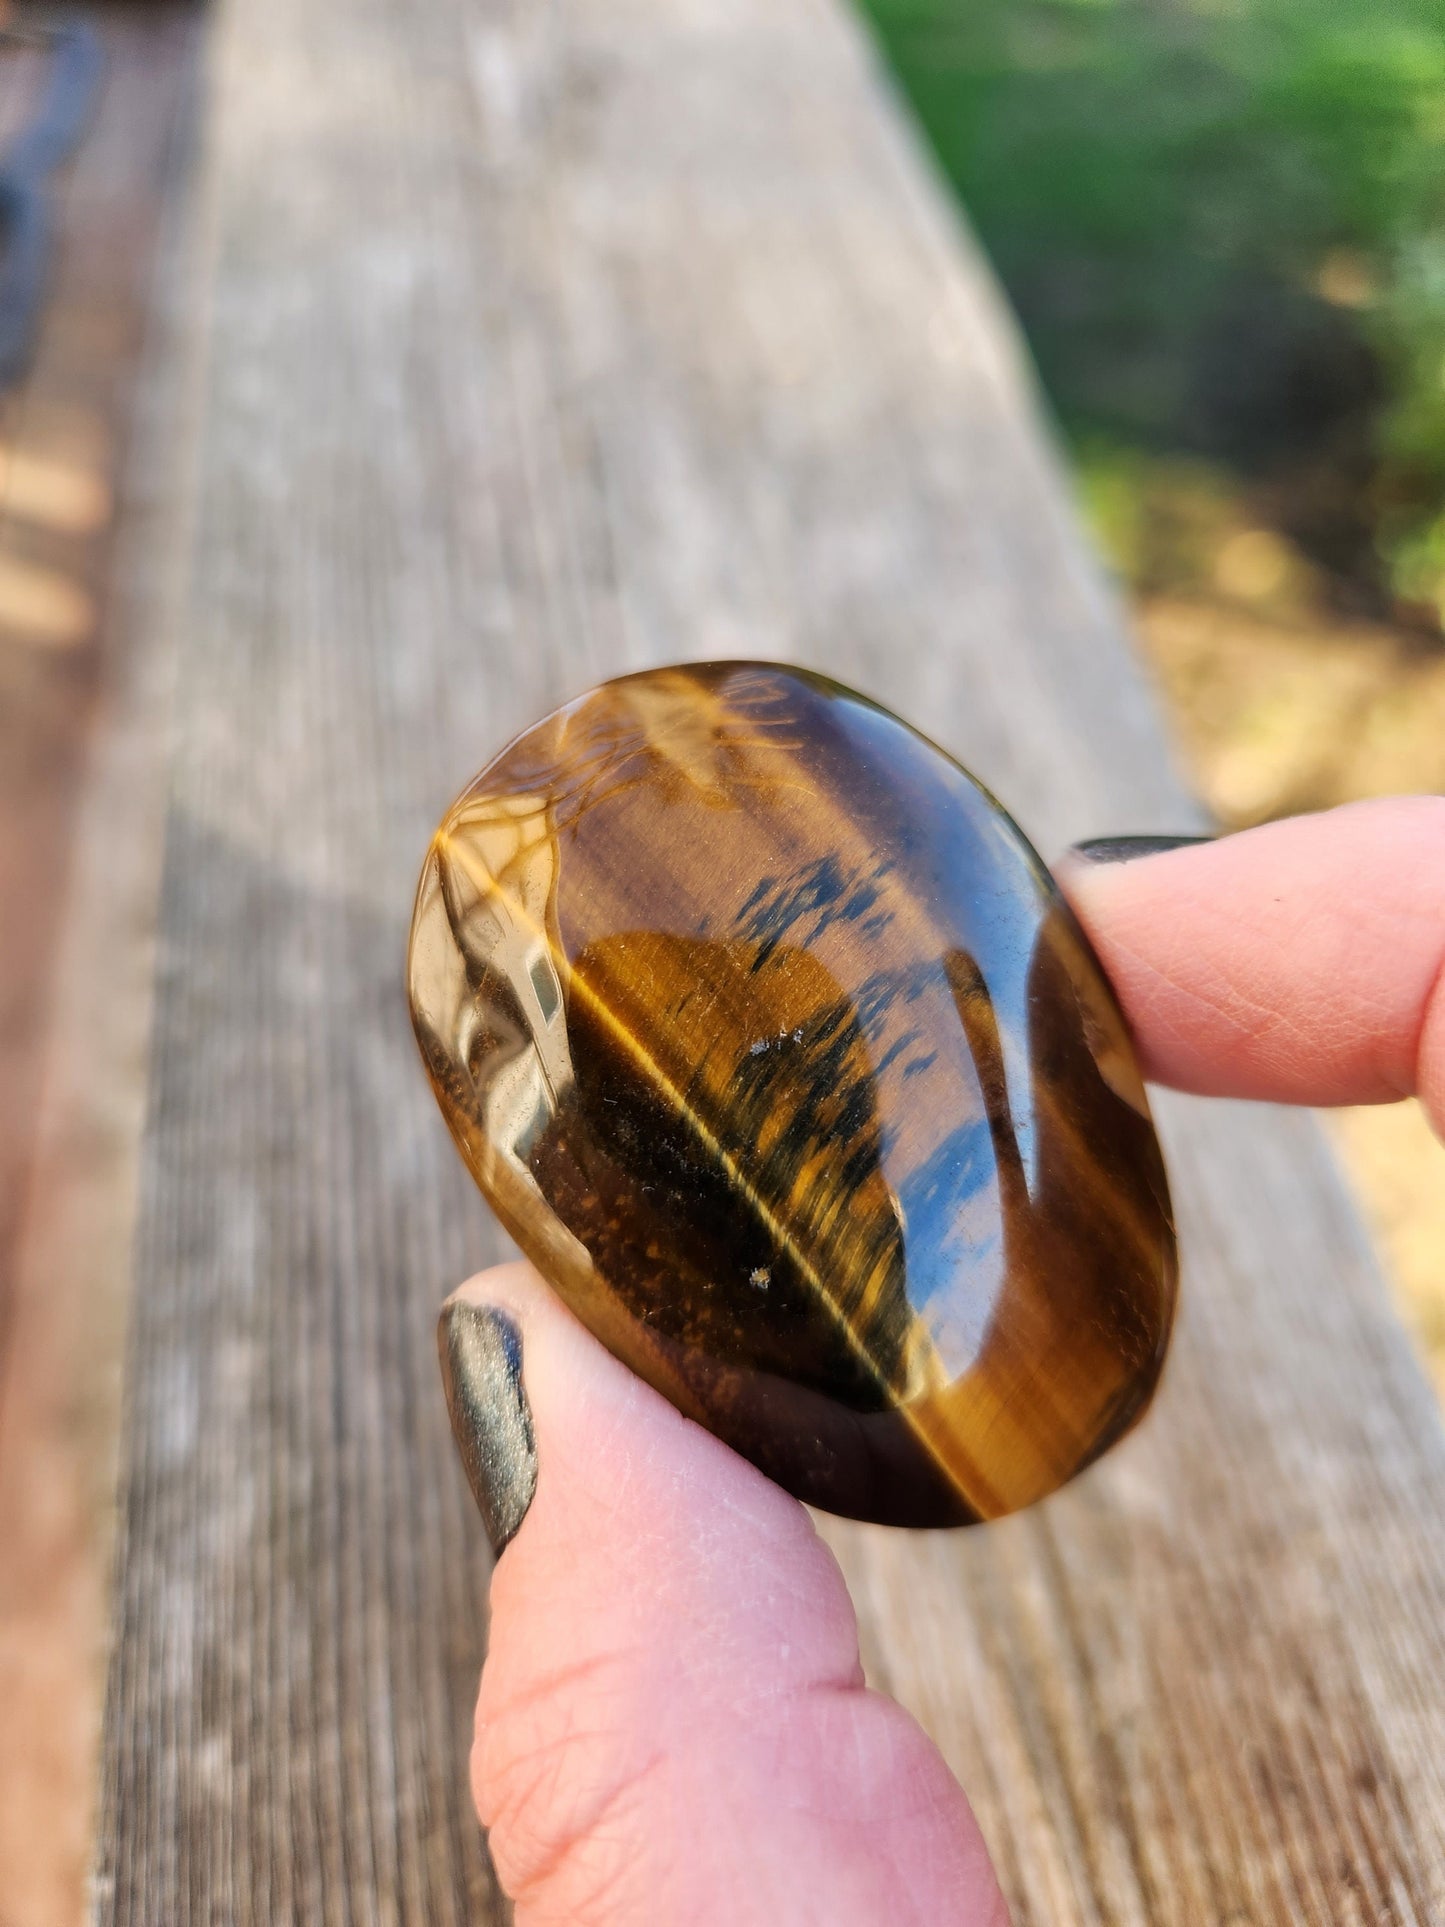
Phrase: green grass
{"type": "Point", "coordinates": [1222, 223]}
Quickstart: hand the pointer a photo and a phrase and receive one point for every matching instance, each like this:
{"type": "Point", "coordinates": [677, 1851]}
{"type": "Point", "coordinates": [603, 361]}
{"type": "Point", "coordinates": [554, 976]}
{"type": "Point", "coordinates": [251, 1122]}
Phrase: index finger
{"type": "Point", "coordinates": [1303, 961]}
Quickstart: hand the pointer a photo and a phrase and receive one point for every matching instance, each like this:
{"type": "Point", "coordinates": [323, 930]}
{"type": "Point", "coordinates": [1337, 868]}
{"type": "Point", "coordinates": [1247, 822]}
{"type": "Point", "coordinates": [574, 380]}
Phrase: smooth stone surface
{"type": "Point", "coordinates": [774, 1046]}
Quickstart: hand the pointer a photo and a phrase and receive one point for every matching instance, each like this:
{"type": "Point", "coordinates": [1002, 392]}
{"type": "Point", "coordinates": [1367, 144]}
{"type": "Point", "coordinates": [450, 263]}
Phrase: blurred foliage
{"type": "Point", "coordinates": [1222, 223]}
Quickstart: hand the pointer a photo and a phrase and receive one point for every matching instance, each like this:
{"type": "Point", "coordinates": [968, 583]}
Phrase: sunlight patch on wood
{"type": "Point", "coordinates": [43, 607]}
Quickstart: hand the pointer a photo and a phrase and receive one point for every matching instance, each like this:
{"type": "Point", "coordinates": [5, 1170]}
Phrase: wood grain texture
{"type": "Point", "coordinates": [550, 341]}
{"type": "Point", "coordinates": [90, 483]}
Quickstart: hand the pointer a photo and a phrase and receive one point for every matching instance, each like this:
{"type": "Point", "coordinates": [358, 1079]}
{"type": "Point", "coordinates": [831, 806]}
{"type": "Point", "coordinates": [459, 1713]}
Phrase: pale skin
{"type": "Point", "coordinates": [673, 1725]}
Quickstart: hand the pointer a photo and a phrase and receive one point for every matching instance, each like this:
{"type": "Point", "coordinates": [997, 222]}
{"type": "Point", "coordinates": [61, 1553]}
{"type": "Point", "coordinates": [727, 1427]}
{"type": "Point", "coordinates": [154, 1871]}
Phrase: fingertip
{"type": "Point", "coordinates": [511, 1287]}
{"type": "Point", "coordinates": [667, 1621]}
{"type": "Point", "coordinates": [1300, 961]}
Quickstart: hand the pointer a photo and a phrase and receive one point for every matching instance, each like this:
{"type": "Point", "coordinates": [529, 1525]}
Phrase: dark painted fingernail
{"type": "Point", "coordinates": [1123, 849]}
{"type": "Point", "coordinates": [481, 1356]}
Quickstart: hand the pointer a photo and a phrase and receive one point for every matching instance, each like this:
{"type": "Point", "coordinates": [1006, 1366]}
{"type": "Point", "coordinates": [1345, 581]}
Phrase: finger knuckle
{"type": "Point", "coordinates": [564, 1791]}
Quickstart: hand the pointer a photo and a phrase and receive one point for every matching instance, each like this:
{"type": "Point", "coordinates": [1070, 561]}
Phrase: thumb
{"type": "Point", "coordinates": [673, 1724]}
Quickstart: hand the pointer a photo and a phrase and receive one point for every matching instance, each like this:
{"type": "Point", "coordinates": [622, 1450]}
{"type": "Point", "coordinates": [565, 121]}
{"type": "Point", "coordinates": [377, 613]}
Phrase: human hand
{"type": "Point", "coordinates": [673, 1725]}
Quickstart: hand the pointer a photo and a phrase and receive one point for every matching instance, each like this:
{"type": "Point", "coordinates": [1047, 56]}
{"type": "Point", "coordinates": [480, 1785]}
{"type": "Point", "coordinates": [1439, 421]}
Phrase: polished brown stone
{"type": "Point", "coordinates": [775, 1047]}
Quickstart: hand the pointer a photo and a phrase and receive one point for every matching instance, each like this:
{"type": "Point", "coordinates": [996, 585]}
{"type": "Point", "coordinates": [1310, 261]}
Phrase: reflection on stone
{"type": "Point", "coordinates": [774, 1046]}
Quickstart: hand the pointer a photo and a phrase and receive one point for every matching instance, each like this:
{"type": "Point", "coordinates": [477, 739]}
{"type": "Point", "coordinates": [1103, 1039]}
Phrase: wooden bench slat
{"type": "Point", "coordinates": [546, 342]}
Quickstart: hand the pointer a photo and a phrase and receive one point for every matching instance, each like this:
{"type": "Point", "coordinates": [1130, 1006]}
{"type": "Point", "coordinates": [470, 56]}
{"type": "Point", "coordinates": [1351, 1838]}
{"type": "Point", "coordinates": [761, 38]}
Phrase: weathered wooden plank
{"type": "Point", "coordinates": [550, 341]}
{"type": "Point", "coordinates": [82, 791]}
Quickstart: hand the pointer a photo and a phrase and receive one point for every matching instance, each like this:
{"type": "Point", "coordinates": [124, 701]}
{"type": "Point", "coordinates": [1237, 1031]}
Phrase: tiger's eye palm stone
{"type": "Point", "coordinates": [774, 1046]}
